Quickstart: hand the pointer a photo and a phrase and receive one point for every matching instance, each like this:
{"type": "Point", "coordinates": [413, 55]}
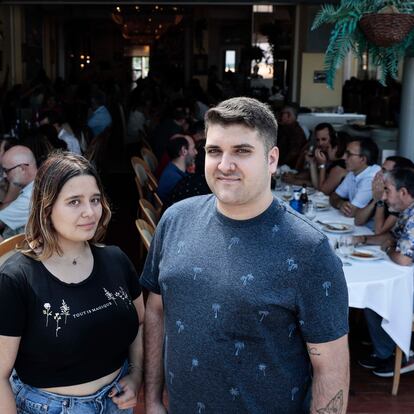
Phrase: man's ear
{"type": "Point", "coordinates": [273, 158]}
{"type": "Point", "coordinates": [403, 192]}
{"type": "Point", "coordinates": [183, 150]}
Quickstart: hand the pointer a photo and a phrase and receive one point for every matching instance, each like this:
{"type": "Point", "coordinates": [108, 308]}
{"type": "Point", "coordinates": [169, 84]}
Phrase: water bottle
{"type": "Point", "coordinates": [304, 195]}
{"type": "Point", "coordinates": [295, 203]}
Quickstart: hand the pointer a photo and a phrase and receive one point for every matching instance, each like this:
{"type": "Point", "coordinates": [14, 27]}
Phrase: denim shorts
{"type": "Point", "coordinates": [31, 400]}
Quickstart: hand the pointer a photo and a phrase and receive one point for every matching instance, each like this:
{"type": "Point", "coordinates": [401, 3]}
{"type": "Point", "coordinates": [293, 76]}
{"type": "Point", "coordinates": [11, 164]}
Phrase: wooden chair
{"type": "Point", "coordinates": [149, 212]}
{"type": "Point", "coordinates": [8, 246]}
{"type": "Point", "coordinates": [397, 367]}
{"type": "Point", "coordinates": [143, 171]}
{"type": "Point", "coordinates": [146, 232]}
{"type": "Point", "coordinates": [149, 157]}
{"type": "Point", "coordinates": [97, 149]}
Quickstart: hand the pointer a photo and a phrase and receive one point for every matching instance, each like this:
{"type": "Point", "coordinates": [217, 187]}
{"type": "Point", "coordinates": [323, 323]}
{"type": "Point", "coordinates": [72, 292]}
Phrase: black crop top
{"type": "Point", "coordinates": [70, 333]}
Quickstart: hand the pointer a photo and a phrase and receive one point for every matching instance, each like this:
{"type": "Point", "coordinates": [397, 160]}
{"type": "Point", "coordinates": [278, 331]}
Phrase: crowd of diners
{"type": "Point", "coordinates": [71, 118]}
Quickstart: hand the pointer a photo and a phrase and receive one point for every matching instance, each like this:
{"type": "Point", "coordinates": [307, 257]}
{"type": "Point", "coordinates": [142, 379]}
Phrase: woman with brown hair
{"type": "Point", "coordinates": [69, 307]}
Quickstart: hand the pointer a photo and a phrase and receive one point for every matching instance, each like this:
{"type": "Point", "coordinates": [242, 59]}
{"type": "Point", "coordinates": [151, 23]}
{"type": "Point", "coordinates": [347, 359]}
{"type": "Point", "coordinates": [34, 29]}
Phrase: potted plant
{"type": "Point", "coordinates": [382, 28]}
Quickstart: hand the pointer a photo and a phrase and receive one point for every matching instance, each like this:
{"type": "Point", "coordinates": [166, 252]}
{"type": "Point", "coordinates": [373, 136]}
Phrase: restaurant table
{"type": "Point", "coordinates": [310, 120]}
{"type": "Point", "coordinates": [381, 285]}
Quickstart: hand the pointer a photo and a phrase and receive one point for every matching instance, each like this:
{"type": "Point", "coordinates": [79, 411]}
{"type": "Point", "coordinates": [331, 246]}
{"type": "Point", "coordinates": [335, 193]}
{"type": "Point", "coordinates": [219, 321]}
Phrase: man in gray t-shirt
{"type": "Point", "coordinates": [247, 310]}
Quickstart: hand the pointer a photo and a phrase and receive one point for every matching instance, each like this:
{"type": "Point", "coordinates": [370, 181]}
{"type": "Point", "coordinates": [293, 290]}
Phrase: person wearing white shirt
{"type": "Point", "coordinates": [355, 191]}
{"type": "Point", "coordinates": [19, 166]}
{"type": "Point", "coordinates": [71, 141]}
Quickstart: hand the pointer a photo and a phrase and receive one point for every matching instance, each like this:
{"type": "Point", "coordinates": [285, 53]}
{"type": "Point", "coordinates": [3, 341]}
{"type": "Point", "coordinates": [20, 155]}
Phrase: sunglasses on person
{"type": "Point", "coordinates": [351, 154]}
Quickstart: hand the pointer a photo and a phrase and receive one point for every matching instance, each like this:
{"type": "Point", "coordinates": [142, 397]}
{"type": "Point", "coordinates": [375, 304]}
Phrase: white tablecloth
{"type": "Point", "coordinates": [380, 285]}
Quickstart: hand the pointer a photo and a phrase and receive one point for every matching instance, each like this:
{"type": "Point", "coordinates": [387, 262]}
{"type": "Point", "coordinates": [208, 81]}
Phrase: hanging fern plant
{"type": "Point", "coordinates": [347, 34]}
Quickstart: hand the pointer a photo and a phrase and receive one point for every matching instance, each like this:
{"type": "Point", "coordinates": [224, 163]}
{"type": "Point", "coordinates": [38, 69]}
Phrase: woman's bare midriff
{"type": "Point", "coordinates": [87, 388]}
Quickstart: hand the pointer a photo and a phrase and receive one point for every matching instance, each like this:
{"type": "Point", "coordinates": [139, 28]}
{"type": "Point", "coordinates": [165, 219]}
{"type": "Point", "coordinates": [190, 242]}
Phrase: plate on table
{"type": "Point", "coordinates": [365, 254]}
{"type": "Point", "coordinates": [320, 206]}
{"type": "Point", "coordinates": [338, 227]}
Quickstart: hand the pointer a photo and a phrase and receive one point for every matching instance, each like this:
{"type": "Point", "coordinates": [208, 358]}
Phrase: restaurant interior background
{"type": "Point", "coordinates": [123, 40]}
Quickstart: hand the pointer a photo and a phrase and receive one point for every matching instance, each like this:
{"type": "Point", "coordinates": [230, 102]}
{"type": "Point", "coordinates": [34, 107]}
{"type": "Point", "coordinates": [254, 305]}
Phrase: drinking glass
{"type": "Point", "coordinates": [278, 180]}
{"type": "Point", "coordinates": [346, 245]}
{"type": "Point", "coordinates": [287, 193]}
{"type": "Point", "coordinates": [310, 210]}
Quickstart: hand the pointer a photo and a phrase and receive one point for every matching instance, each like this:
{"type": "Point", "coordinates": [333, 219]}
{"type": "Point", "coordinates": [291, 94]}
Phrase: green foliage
{"type": "Point", "coordinates": [347, 36]}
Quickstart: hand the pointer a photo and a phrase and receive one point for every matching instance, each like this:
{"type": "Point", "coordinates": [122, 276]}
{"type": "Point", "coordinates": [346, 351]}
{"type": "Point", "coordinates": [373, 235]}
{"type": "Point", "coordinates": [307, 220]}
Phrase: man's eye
{"type": "Point", "coordinates": [212, 151]}
{"type": "Point", "coordinates": [243, 151]}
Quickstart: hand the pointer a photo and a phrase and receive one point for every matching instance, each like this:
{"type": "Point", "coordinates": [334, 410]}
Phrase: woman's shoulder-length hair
{"type": "Point", "coordinates": [41, 238]}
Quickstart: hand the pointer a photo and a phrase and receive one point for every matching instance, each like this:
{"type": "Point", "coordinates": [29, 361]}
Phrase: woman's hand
{"type": "Point", "coordinates": [320, 156]}
{"type": "Point", "coordinates": [128, 397]}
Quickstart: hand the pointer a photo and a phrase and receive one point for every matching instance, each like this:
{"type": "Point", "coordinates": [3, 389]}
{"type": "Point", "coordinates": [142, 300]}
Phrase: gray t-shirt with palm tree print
{"type": "Point", "coordinates": [241, 298]}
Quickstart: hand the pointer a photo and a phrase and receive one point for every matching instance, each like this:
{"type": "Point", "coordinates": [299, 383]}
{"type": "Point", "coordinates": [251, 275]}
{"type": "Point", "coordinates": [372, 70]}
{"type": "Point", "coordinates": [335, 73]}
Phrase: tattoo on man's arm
{"type": "Point", "coordinates": [334, 406]}
{"type": "Point", "coordinates": [313, 351]}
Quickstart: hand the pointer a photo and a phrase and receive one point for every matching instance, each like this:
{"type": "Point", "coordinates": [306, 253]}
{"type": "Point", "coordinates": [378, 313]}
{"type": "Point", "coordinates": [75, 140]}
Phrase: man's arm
{"type": "Point", "coordinates": [335, 200]}
{"type": "Point", "coordinates": [364, 214]}
{"type": "Point", "coordinates": [154, 338]}
{"type": "Point", "coordinates": [346, 207]}
{"type": "Point", "coordinates": [330, 386]}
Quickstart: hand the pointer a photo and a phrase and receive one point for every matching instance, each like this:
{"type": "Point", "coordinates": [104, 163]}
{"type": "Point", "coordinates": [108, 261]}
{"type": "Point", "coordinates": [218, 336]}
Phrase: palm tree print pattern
{"type": "Point", "coordinates": [234, 392]}
{"type": "Point", "coordinates": [200, 407]}
{"type": "Point", "coordinates": [291, 328]}
{"type": "Point", "coordinates": [171, 375]}
{"type": "Point", "coordinates": [238, 345]}
{"type": "Point", "coordinates": [196, 271]}
{"type": "Point", "coordinates": [246, 279]}
{"type": "Point", "coordinates": [292, 265]}
{"type": "Point", "coordinates": [234, 241]}
{"type": "Point", "coordinates": [216, 309]}
{"type": "Point", "coordinates": [180, 246]}
{"type": "Point", "coordinates": [275, 229]}
{"type": "Point", "coordinates": [294, 392]}
{"type": "Point", "coordinates": [263, 314]}
{"type": "Point", "coordinates": [180, 326]}
{"type": "Point", "coordinates": [194, 363]}
{"type": "Point", "coordinates": [262, 369]}
{"type": "Point", "coordinates": [327, 285]}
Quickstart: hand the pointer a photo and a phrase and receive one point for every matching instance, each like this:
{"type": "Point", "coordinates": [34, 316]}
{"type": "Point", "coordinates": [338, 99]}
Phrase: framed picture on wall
{"type": "Point", "coordinates": [319, 76]}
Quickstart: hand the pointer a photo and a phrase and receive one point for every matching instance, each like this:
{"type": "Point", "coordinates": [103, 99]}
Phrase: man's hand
{"type": "Point", "coordinates": [347, 209]}
{"type": "Point", "coordinates": [378, 186]}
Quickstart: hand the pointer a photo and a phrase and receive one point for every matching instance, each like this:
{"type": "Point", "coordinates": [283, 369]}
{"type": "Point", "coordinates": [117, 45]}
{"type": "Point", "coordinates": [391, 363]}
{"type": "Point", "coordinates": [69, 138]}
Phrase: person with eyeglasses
{"type": "Point", "coordinates": [19, 168]}
{"type": "Point", "coordinates": [355, 191]}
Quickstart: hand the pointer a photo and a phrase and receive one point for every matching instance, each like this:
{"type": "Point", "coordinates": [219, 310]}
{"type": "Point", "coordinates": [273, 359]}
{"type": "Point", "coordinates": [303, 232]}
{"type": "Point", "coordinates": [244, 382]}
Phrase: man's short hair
{"type": "Point", "coordinates": [400, 162]}
{"type": "Point", "coordinates": [402, 178]}
{"type": "Point", "coordinates": [368, 149]}
{"type": "Point", "coordinates": [249, 112]}
{"type": "Point", "coordinates": [174, 146]}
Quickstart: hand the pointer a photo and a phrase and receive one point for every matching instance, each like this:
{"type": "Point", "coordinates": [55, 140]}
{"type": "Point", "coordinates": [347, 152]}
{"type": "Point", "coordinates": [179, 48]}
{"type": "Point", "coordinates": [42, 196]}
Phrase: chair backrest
{"type": "Point", "coordinates": [8, 246]}
{"type": "Point", "coordinates": [143, 171]}
{"type": "Point", "coordinates": [149, 157]}
{"type": "Point", "coordinates": [146, 232]}
{"type": "Point", "coordinates": [96, 151]}
{"type": "Point", "coordinates": [149, 213]}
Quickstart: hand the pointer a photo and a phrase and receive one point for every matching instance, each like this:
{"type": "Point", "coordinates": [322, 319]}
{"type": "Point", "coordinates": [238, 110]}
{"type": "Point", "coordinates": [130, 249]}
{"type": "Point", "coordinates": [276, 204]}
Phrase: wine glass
{"type": "Point", "coordinates": [346, 245]}
{"type": "Point", "coordinates": [287, 193]}
{"type": "Point", "coordinates": [310, 210]}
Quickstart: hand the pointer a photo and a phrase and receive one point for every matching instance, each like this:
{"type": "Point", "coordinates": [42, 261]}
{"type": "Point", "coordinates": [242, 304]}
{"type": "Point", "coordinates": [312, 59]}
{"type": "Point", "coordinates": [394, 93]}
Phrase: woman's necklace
{"type": "Point", "coordinates": [75, 260]}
